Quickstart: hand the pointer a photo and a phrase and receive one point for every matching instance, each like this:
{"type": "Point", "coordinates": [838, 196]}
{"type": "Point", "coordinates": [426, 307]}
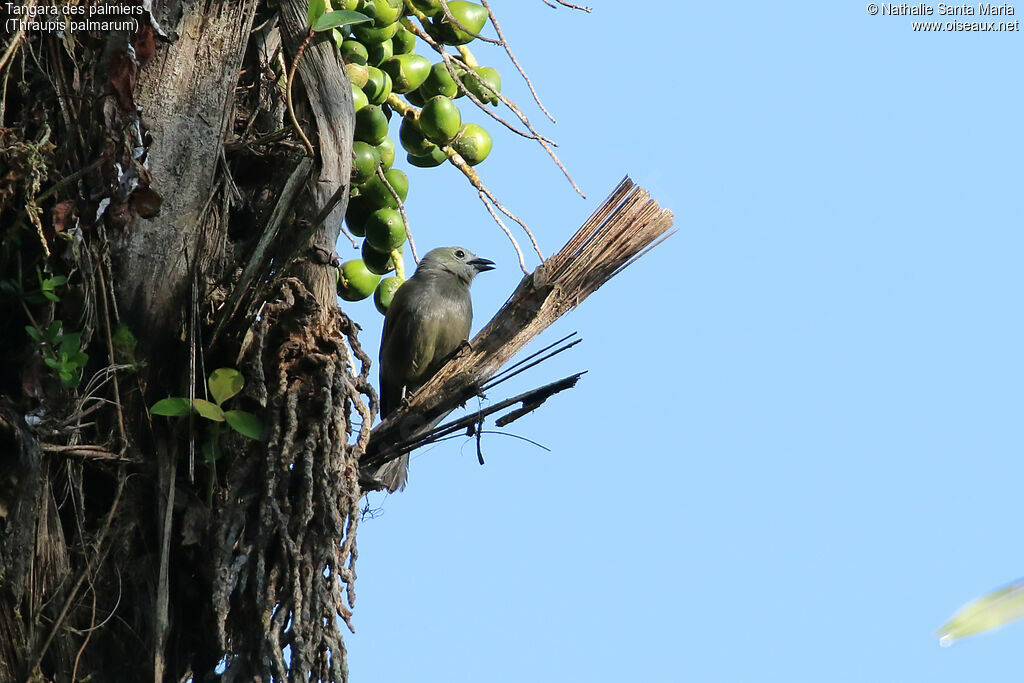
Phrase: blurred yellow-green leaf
{"type": "Point", "coordinates": [984, 614]}
{"type": "Point", "coordinates": [171, 407]}
{"type": "Point", "coordinates": [244, 423]}
{"type": "Point", "coordinates": [210, 411]}
{"type": "Point", "coordinates": [225, 383]}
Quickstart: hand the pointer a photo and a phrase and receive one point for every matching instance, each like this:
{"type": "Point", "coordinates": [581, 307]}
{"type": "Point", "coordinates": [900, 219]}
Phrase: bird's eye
{"type": "Point", "coordinates": [460, 254]}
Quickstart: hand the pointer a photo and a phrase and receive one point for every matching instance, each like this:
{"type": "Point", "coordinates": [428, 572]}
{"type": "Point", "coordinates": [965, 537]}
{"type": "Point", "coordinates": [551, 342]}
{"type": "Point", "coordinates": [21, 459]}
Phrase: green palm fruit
{"type": "Point", "coordinates": [376, 262]}
{"type": "Point", "coordinates": [378, 193]}
{"type": "Point", "coordinates": [371, 35]}
{"type": "Point", "coordinates": [385, 292]}
{"type": "Point", "coordinates": [385, 230]}
{"type": "Point", "coordinates": [403, 43]}
{"type": "Point", "coordinates": [473, 143]}
{"type": "Point", "coordinates": [438, 82]}
{"type": "Point", "coordinates": [407, 71]}
{"type": "Point", "coordinates": [353, 52]}
{"type": "Point", "coordinates": [355, 281]}
{"type": "Point", "coordinates": [486, 74]}
{"type": "Point", "coordinates": [365, 160]}
{"type": "Point", "coordinates": [359, 209]}
{"type": "Point", "coordinates": [435, 157]}
{"type": "Point", "coordinates": [358, 98]}
{"type": "Point", "coordinates": [371, 125]}
{"type": "Point", "coordinates": [379, 52]}
{"type": "Point", "coordinates": [378, 85]}
{"type": "Point", "coordinates": [440, 120]}
{"type": "Point", "coordinates": [469, 14]}
{"type": "Point", "coordinates": [412, 138]}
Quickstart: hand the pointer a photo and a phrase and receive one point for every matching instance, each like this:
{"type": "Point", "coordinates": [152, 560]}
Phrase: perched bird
{"type": "Point", "coordinates": [427, 321]}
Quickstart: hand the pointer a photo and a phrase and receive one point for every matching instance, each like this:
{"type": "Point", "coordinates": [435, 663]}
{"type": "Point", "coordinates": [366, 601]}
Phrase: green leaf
{"type": "Point", "coordinates": [71, 376]}
{"type": "Point", "coordinates": [991, 611]}
{"type": "Point", "coordinates": [53, 331]}
{"type": "Point", "coordinates": [34, 333]}
{"type": "Point", "coordinates": [245, 423]}
{"type": "Point", "coordinates": [171, 407]}
{"type": "Point", "coordinates": [341, 17]}
{"type": "Point", "coordinates": [211, 451]}
{"type": "Point", "coordinates": [70, 343]}
{"type": "Point", "coordinates": [225, 383]}
{"type": "Point", "coordinates": [52, 362]}
{"type": "Point", "coordinates": [124, 339]}
{"type": "Point", "coordinates": [54, 282]}
{"type": "Point", "coordinates": [51, 296]}
{"type": "Point", "coordinates": [315, 10]}
{"type": "Point", "coordinates": [208, 410]}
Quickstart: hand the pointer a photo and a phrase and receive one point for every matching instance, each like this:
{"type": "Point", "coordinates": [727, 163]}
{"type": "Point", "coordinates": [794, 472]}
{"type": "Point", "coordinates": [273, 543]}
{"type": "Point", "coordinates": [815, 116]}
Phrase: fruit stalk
{"type": "Point", "coordinates": [467, 56]}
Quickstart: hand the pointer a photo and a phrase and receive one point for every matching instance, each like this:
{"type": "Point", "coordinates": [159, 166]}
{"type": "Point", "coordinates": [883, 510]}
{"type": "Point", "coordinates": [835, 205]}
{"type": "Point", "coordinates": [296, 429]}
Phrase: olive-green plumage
{"type": "Point", "coordinates": [428, 319]}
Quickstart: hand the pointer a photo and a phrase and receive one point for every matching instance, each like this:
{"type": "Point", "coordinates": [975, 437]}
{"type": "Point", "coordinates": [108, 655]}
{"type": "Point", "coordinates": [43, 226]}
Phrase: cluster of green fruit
{"type": "Point", "coordinates": [382, 64]}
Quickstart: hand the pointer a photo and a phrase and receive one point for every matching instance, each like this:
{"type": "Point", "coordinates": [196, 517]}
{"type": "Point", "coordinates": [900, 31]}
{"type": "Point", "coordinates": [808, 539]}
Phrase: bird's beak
{"type": "Point", "coordinates": [481, 264]}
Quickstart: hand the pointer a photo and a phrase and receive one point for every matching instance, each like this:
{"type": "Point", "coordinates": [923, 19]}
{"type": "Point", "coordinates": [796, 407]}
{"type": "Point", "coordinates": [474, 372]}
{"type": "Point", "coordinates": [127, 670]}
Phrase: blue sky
{"type": "Point", "coordinates": [798, 448]}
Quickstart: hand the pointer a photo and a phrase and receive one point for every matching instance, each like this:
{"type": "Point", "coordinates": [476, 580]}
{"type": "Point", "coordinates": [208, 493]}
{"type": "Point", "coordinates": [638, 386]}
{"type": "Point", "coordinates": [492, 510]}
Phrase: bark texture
{"type": "Point", "coordinates": [148, 177]}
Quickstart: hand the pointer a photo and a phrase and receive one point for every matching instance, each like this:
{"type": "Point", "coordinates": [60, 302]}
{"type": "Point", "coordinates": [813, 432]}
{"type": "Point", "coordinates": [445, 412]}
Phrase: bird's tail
{"type": "Point", "coordinates": [393, 474]}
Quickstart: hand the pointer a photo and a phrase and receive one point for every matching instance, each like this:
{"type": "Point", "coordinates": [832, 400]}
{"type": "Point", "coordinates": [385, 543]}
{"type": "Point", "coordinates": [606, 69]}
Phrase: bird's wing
{"type": "Point", "coordinates": [423, 336]}
{"type": "Point", "coordinates": [407, 344]}
{"type": "Point", "coordinates": [426, 322]}
{"type": "Point", "coordinates": [443, 325]}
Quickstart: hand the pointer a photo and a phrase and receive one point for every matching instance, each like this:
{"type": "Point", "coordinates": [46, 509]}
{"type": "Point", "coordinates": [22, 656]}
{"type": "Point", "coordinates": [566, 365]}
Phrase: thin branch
{"type": "Point", "coordinates": [515, 436]}
{"type": "Point", "coordinates": [401, 209]}
{"type": "Point", "coordinates": [508, 51]}
{"type": "Point", "coordinates": [90, 566]}
{"type": "Point", "coordinates": [447, 58]}
{"type": "Point", "coordinates": [87, 451]}
{"type": "Point", "coordinates": [497, 377]}
{"type": "Point", "coordinates": [16, 40]}
{"type": "Point", "coordinates": [506, 375]}
{"type": "Point", "coordinates": [569, 5]}
{"type": "Point", "coordinates": [110, 355]}
{"type": "Point", "coordinates": [543, 141]}
{"type": "Point", "coordinates": [291, 79]}
{"type": "Point", "coordinates": [161, 618]}
{"type": "Point", "coordinates": [504, 228]}
{"type": "Point", "coordinates": [534, 396]}
{"type": "Point", "coordinates": [412, 113]}
{"type": "Point", "coordinates": [474, 178]}
{"type": "Point", "coordinates": [546, 143]}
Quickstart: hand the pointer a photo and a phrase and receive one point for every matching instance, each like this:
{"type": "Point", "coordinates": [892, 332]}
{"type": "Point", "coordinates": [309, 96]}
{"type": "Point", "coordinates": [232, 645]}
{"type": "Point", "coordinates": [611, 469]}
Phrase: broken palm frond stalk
{"type": "Point", "coordinates": [621, 228]}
